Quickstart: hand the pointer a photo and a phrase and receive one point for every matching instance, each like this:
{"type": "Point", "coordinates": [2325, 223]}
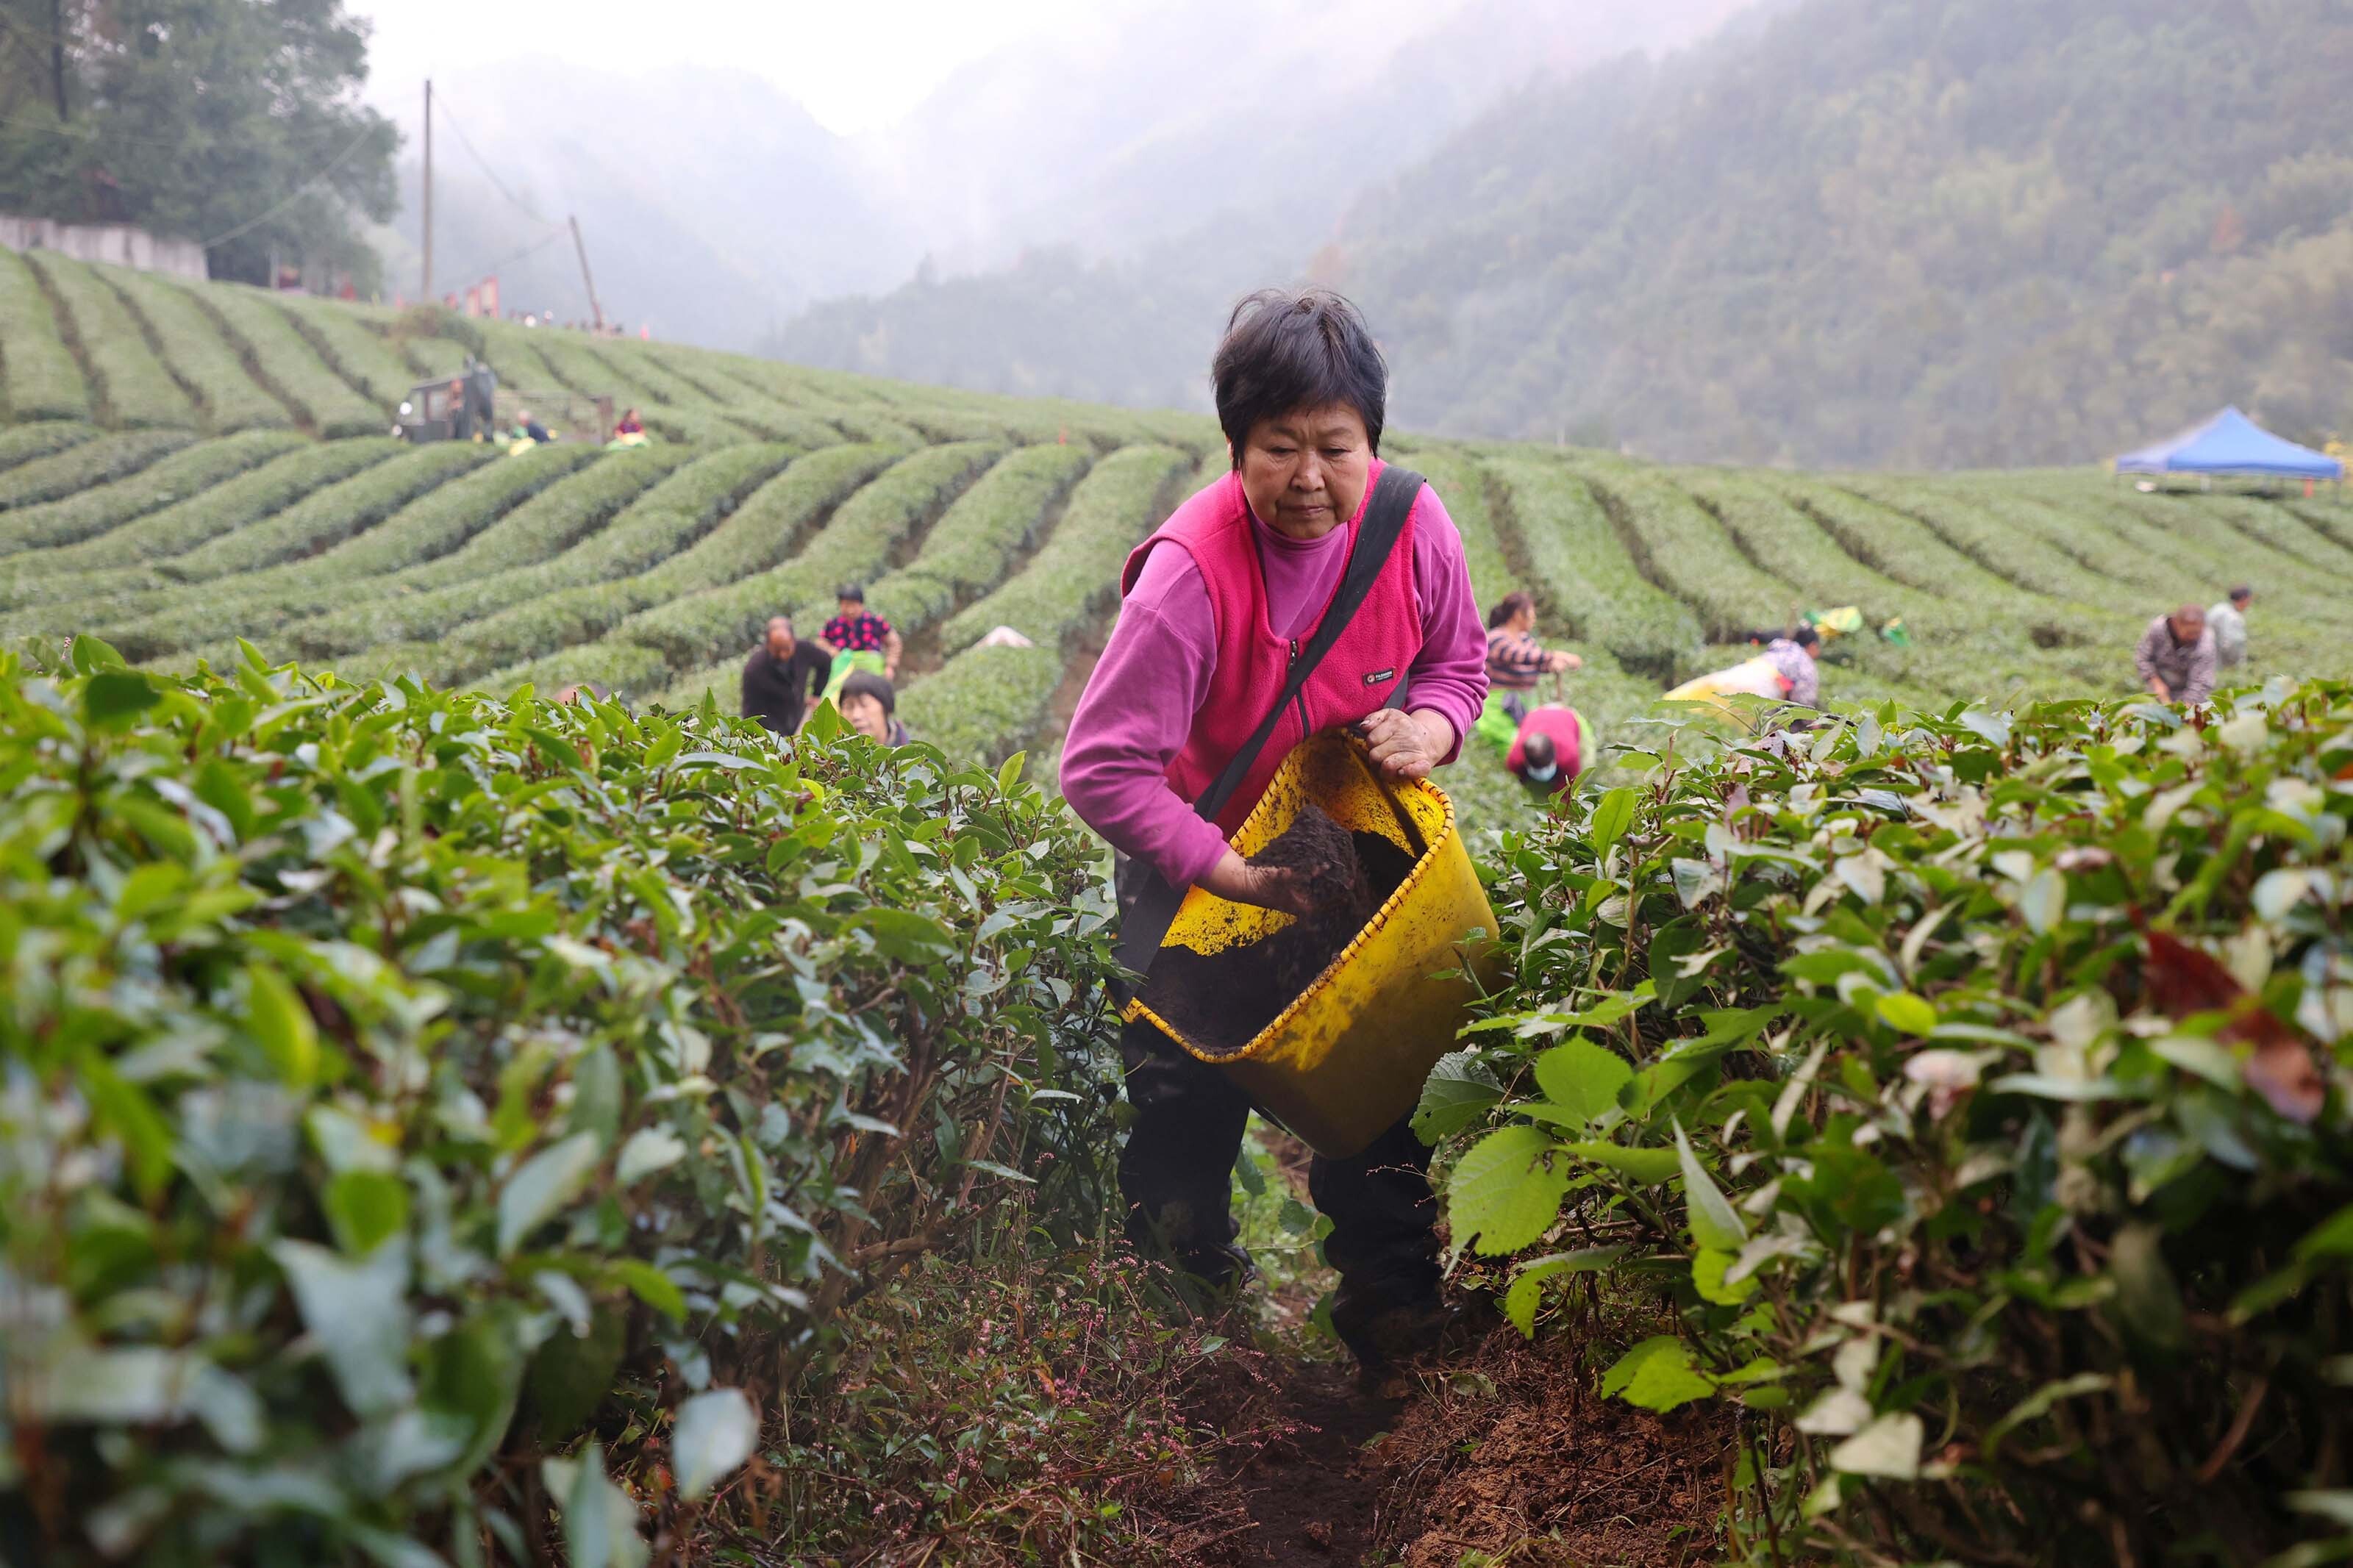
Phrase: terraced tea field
{"type": "Point", "coordinates": [185, 464]}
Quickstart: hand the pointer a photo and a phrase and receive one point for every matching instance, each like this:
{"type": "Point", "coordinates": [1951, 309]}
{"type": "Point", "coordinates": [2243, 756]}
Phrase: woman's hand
{"type": "Point", "coordinates": [1560, 662]}
{"type": "Point", "coordinates": [1238, 882]}
{"type": "Point", "coordinates": [1407, 745]}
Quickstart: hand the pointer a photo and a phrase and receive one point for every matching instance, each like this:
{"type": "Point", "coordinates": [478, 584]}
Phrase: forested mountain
{"type": "Point", "coordinates": [1914, 232]}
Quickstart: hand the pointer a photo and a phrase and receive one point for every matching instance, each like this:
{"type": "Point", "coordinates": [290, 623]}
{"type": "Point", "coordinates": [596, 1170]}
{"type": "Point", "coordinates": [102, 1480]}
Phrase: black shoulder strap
{"type": "Point", "coordinates": [1392, 502]}
{"type": "Point", "coordinates": [1146, 916]}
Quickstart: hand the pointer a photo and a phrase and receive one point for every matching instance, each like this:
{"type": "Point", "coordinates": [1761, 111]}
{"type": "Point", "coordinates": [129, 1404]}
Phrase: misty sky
{"type": "Point", "coordinates": [856, 67]}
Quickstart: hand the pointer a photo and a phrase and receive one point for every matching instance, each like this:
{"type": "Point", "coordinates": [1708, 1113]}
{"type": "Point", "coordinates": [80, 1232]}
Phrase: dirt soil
{"type": "Point", "coordinates": [1505, 1453]}
{"type": "Point", "coordinates": [1220, 1001]}
{"type": "Point", "coordinates": [1502, 1454]}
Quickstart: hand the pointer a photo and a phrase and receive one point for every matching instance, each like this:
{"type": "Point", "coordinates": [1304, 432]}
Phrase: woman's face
{"type": "Point", "coordinates": [865, 715]}
{"type": "Point", "coordinates": [1305, 472]}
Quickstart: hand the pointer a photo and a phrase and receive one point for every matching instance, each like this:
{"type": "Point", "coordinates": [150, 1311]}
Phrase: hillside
{"type": "Point", "coordinates": [450, 1125]}
{"type": "Point", "coordinates": [162, 494]}
{"type": "Point", "coordinates": [1932, 234]}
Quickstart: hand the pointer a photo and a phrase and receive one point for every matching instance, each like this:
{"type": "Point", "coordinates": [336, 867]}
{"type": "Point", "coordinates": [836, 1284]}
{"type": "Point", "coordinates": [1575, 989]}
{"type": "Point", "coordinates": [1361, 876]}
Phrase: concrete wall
{"type": "Point", "coordinates": [116, 242]}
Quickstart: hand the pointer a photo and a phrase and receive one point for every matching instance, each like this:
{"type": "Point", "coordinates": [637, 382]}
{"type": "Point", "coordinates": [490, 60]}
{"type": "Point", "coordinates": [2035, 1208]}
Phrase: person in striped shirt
{"type": "Point", "coordinates": [1515, 660]}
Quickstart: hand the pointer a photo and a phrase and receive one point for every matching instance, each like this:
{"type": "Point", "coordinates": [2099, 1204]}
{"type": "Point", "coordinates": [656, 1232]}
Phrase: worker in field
{"type": "Point", "coordinates": [869, 706]}
{"type": "Point", "coordinates": [2228, 622]}
{"type": "Point", "coordinates": [781, 677]}
{"type": "Point", "coordinates": [1220, 663]}
{"type": "Point", "coordinates": [1797, 658]}
{"type": "Point", "coordinates": [2176, 659]}
{"type": "Point", "coordinates": [1549, 749]}
{"type": "Point", "coordinates": [857, 629]}
{"type": "Point", "coordinates": [1515, 660]}
{"type": "Point", "coordinates": [630, 424]}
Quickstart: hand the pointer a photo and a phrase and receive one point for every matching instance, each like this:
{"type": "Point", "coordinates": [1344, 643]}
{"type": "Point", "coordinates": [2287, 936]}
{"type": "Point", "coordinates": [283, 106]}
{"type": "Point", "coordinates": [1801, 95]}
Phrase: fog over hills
{"type": "Point", "coordinates": [715, 207]}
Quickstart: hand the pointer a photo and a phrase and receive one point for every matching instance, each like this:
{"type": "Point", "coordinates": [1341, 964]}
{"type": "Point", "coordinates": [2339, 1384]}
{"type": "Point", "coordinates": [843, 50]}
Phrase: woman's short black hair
{"type": "Point", "coordinates": [866, 683]}
{"type": "Point", "coordinates": [1805, 637]}
{"type": "Point", "coordinates": [1288, 349]}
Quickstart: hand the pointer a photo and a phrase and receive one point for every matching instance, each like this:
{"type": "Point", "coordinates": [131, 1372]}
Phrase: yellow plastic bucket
{"type": "Point", "coordinates": [1348, 1057]}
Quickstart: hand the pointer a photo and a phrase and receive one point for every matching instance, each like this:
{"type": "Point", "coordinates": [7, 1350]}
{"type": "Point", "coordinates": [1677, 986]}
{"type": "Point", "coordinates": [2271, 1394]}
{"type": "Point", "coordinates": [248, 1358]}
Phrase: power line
{"type": "Point", "coordinates": [298, 192]}
{"type": "Point", "coordinates": [441, 107]}
{"type": "Point", "coordinates": [531, 250]}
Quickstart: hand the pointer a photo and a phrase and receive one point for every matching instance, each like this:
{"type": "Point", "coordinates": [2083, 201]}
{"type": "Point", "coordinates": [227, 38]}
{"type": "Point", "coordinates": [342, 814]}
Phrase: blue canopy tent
{"type": "Point", "coordinates": [2231, 443]}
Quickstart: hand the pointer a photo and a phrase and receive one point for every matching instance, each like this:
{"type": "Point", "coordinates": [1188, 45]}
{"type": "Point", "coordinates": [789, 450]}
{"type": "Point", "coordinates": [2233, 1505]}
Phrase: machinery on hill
{"type": "Point", "coordinates": [472, 406]}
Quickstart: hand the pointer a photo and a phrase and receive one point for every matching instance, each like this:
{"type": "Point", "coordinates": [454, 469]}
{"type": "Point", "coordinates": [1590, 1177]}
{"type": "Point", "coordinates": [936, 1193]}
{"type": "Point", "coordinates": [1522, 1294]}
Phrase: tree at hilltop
{"type": "Point", "coordinates": [234, 120]}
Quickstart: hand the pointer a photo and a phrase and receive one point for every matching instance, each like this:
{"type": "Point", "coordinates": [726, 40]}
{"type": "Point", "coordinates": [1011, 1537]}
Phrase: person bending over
{"type": "Point", "coordinates": [1215, 607]}
{"type": "Point", "coordinates": [2176, 659]}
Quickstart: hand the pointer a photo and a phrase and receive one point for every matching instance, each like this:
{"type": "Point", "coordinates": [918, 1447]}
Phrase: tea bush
{"type": "Point", "coordinates": [987, 528]}
{"type": "Point", "coordinates": [420, 601]}
{"type": "Point", "coordinates": [1074, 575]}
{"type": "Point", "coordinates": [351, 348]}
{"type": "Point", "coordinates": [854, 544]}
{"type": "Point", "coordinates": [1581, 573]}
{"type": "Point", "coordinates": [76, 467]}
{"type": "Point", "coordinates": [42, 380]}
{"type": "Point", "coordinates": [432, 1126]}
{"type": "Point", "coordinates": [1977, 1086]}
{"type": "Point", "coordinates": [116, 561]}
{"type": "Point", "coordinates": [656, 525]}
{"type": "Point", "coordinates": [42, 438]}
{"type": "Point", "coordinates": [258, 602]}
{"type": "Point", "coordinates": [757, 534]}
{"type": "Point", "coordinates": [195, 353]}
{"type": "Point", "coordinates": [266, 335]}
{"type": "Point", "coordinates": [1684, 549]}
{"type": "Point", "coordinates": [185, 472]}
{"type": "Point", "coordinates": [131, 381]}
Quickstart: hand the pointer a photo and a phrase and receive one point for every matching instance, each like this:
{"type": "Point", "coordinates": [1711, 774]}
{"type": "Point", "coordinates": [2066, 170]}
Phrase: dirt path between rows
{"type": "Point", "coordinates": [1503, 1455]}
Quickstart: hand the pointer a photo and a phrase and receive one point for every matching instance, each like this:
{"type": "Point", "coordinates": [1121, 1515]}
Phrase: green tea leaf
{"type": "Point", "coordinates": [1459, 1091]}
{"type": "Point", "coordinates": [1714, 1223]}
{"type": "Point", "coordinates": [365, 1209]}
{"type": "Point", "coordinates": [1506, 1190]}
{"type": "Point", "coordinates": [716, 1432]}
{"type": "Point", "coordinates": [1612, 815]}
{"type": "Point", "coordinates": [282, 1025]}
{"type": "Point", "coordinates": [116, 696]}
{"type": "Point", "coordinates": [1889, 1446]}
{"type": "Point", "coordinates": [1905, 1013]}
{"type": "Point", "coordinates": [543, 1184]}
{"type": "Point", "coordinates": [1581, 1077]}
{"type": "Point", "coordinates": [1527, 1286]}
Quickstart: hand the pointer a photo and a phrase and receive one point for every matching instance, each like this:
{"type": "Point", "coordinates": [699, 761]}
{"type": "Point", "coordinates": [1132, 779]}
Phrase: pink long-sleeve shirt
{"type": "Point", "coordinates": [1156, 673]}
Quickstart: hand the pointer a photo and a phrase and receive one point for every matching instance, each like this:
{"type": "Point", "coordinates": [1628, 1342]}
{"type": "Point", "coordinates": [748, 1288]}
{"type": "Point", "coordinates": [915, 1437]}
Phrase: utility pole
{"type": "Point", "coordinates": [595, 308]}
{"type": "Point", "coordinates": [57, 54]}
{"type": "Point", "coordinates": [428, 190]}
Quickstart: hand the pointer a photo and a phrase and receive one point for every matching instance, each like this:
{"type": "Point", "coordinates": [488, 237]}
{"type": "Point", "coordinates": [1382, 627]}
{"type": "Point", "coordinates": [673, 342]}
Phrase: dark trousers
{"type": "Point", "coordinates": [1176, 1175]}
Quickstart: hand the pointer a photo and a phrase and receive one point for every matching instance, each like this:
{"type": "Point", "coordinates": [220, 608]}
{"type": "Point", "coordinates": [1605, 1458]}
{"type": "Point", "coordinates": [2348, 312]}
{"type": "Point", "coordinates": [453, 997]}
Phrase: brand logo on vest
{"type": "Point", "coordinates": [1380, 675]}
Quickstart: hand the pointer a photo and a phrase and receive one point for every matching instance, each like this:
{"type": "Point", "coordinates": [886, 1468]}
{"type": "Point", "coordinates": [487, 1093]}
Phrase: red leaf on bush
{"type": "Point", "coordinates": [2185, 979]}
{"type": "Point", "coordinates": [2281, 1070]}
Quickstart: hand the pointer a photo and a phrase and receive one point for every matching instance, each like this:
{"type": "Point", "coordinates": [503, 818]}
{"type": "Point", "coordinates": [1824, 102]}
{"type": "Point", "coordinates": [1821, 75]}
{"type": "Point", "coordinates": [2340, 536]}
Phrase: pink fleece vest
{"type": "Point", "coordinates": [1356, 677]}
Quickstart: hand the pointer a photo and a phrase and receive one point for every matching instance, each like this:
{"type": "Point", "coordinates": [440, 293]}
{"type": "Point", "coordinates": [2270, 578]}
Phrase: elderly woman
{"type": "Point", "coordinates": [1217, 607]}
